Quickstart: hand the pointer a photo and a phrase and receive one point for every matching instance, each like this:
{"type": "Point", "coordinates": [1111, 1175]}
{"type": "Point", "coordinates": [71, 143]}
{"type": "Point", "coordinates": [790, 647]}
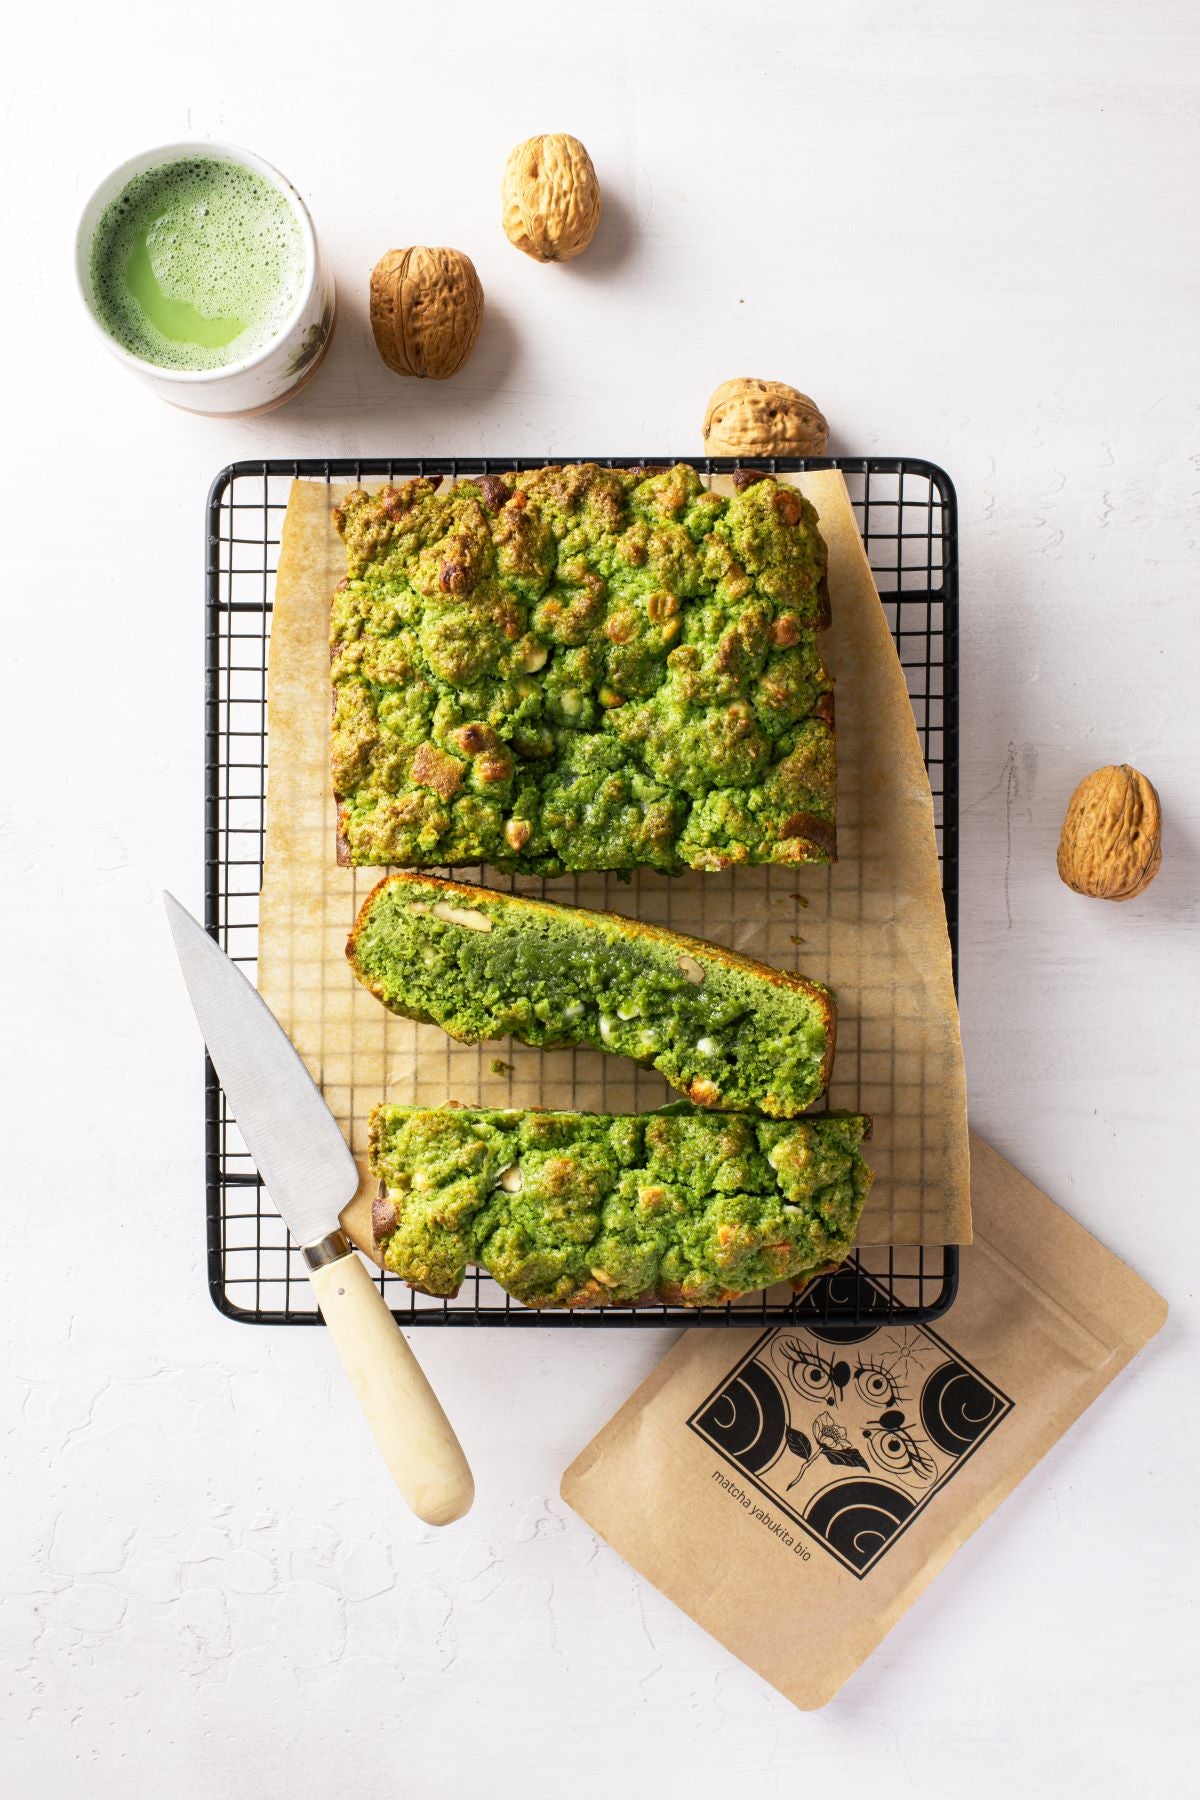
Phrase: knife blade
{"type": "Point", "coordinates": [310, 1175]}
{"type": "Point", "coordinates": [294, 1139]}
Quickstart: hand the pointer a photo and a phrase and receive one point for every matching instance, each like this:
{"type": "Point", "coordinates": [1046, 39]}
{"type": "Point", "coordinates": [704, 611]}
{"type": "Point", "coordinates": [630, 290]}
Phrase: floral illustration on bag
{"type": "Point", "coordinates": [851, 1428]}
{"type": "Point", "coordinates": [832, 1442]}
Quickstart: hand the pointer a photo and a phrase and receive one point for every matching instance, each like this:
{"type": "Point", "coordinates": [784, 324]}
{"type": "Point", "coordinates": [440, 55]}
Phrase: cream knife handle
{"type": "Point", "coordinates": [416, 1437]}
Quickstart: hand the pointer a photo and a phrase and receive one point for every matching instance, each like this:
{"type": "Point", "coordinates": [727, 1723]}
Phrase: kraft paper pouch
{"type": "Point", "coordinates": [794, 1491]}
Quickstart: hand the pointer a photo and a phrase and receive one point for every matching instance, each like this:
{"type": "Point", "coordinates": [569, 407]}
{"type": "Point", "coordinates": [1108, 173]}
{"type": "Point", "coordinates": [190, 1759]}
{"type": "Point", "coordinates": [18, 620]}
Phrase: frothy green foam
{"type": "Point", "coordinates": [196, 264]}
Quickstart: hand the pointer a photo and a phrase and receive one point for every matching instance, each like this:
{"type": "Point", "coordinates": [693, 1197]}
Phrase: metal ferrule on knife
{"type": "Point", "coordinates": [331, 1248]}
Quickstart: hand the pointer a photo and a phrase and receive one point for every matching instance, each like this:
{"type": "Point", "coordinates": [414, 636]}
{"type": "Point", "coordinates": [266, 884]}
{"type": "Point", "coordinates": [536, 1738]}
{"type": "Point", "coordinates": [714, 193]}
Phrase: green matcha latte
{"type": "Point", "coordinates": [197, 264]}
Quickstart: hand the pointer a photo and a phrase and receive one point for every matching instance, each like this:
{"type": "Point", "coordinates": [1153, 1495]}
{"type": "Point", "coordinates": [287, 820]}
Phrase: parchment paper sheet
{"type": "Point", "coordinates": [872, 927]}
{"type": "Point", "coordinates": [712, 1481]}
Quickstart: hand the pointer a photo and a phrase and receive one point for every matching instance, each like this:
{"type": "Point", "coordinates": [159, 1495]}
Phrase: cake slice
{"type": "Point", "coordinates": [582, 668]}
{"type": "Point", "coordinates": [676, 1208]}
{"type": "Point", "coordinates": [724, 1030]}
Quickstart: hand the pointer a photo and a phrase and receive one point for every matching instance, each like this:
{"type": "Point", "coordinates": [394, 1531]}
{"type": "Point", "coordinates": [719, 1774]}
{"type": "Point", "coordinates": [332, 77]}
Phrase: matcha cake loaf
{"type": "Point", "coordinates": [679, 1208]}
{"type": "Point", "coordinates": [582, 668]}
{"type": "Point", "coordinates": [724, 1030]}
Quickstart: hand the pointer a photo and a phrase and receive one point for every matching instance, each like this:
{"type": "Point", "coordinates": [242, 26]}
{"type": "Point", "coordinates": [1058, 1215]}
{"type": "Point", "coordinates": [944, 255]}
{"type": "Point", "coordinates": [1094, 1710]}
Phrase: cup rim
{"type": "Point", "coordinates": [111, 186]}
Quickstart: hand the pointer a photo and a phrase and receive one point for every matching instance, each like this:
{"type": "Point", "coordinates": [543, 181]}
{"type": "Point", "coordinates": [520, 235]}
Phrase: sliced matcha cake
{"type": "Point", "coordinates": [679, 1207]}
{"type": "Point", "coordinates": [724, 1030]}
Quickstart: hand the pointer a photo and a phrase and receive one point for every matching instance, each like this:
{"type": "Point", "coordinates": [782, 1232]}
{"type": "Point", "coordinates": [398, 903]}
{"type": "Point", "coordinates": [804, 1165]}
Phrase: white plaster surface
{"type": "Point", "coordinates": [970, 232]}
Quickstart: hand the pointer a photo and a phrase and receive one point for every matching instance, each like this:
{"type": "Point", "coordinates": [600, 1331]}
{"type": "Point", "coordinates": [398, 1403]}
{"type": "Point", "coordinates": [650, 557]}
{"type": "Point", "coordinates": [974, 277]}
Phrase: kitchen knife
{"type": "Point", "coordinates": [307, 1169]}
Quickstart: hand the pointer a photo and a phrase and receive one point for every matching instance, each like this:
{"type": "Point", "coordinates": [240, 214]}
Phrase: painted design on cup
{"type": "Point", "coordinates": [314, 341]}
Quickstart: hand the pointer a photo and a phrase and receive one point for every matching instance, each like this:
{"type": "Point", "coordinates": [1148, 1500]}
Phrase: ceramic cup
{"type": "Point", "coordinates": [276, 370]}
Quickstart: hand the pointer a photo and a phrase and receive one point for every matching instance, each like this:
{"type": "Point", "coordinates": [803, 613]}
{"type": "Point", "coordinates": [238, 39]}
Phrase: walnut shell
{"type": "Point", "coordinates": [426, 309]}
{"type": "Point", "coordinates": [748, 417]}
{"type": "Point", "coordinates": [1111, 843]}
{"type": "Point", "coordinates": [551, 197]}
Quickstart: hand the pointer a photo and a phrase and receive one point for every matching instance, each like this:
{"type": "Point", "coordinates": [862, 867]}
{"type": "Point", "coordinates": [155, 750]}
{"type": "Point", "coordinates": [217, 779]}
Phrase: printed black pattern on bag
{"type": "Point", "coordinates": [851, 1429]}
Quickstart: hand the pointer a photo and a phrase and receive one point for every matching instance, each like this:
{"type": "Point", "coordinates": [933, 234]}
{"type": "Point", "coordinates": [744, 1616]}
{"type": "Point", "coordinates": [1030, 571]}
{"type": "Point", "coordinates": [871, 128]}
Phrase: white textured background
{"type": "Point", "coordinates": [969, 231]}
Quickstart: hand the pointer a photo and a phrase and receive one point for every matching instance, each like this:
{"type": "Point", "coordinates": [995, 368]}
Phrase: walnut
{"type": "Point", "coordinates": [383, 1216]}
{"type": "Point", "coordinates": [551, 197]}
{"type": "Point", "coordinates": [426, 309]}
{"type": "Point", "coordinates": [1111, 843]}
{"type": "Point", "coordinates": [460, 915]}
{"type": "Point", "coordinates": [748, 417]}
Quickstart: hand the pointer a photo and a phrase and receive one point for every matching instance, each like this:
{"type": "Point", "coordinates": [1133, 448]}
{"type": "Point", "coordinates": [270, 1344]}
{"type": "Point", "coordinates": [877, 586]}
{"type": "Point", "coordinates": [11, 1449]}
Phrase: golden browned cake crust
{"type": "Point", "coordinates": [675, 1208]}
{"type": "Point", "coordinates": [582, 668]}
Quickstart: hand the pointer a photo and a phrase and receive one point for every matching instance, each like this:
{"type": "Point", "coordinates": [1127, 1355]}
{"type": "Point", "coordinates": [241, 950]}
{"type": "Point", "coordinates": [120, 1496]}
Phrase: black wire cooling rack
{"type": "Point", "coordinates": [907, 514]}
